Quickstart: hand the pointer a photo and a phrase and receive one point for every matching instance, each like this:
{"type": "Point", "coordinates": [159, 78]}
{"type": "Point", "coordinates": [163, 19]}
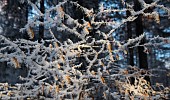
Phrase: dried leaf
{"type": "Point", "coordinates": [61, 9]}
{"type": "Point", "coordinates": [57, 89]}
{"type": "Point", "coordinates": [62, 84]}
{"type": "Point", "coordinates": [16, 63]}
{"type": "Point", "coordinates": [102, 63]}
{"type": "Point", "coordinates": [30, 33]}
{"type": "Point", "coordinates": [103, 80]}
{"type": "Point", "coordinates": [88, 24]}
{"type": "Point", "coordinates": [62, 58]}
{"type": "Point", "coordinates": [85, 30]}
{"type": "Point", "coordinates": [157, 19]}
{"type": "Point", "coordinates": [109, 47]}
{"type": "Point", "coordinates": [58, 65]}
{"type": "Point", "coordinates": [56, 45]}
{"type": "Point", "coordinates": [125, 72]}
{"type": "Point", "coordinates": [68, 79]}
{"type": "Point", "coordinates": [50, 88]}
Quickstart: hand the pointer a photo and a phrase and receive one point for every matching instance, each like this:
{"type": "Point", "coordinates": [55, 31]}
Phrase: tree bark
{"type": "Point", "coordinates": [139, 31]}
{"type": "Point", "coordinates": [41, 27]}
{"type": "Point", "coordinates": [143, 63]}
{"type": "Point", "coordinates": [129, 32]}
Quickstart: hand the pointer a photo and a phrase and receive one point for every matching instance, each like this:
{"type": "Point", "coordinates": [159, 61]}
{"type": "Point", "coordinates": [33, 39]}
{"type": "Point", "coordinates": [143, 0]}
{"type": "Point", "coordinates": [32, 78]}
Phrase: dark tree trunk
{"type": "Point", "coordinates": [139, 31]}
{"type": "Point", "coordinates": [143, 63]}
{"type": "Point", "coordinates": [129, 32]}
{"type": "Point", "coordinates": [26, 9]}
{"type": "Point", "coordinates": [41, 27]}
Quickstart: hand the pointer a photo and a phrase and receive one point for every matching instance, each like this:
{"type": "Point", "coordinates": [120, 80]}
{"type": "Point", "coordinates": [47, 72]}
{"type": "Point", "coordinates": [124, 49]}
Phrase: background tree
{"type": "Point", "coordinates": [13, 17]}
{"type": "Point", "coordinates": [41, 27]}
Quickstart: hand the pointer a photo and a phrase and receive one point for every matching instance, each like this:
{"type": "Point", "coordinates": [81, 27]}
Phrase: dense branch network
{"type": "Point", "coordinates": [55, 69]}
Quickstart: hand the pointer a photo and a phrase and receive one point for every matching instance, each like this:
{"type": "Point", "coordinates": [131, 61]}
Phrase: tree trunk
{"type": "Point", "coordinates": [143, 63]}
{"type": "Point", "coordinates": [41, 27]}
{"type": "Point", "coordinates": [129, 32]}
{"type": "Point", "coordinates": [139, 31]}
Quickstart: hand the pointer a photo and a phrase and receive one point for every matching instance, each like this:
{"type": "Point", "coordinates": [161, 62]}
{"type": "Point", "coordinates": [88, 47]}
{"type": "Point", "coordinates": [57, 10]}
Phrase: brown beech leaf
{"type": "Point", "coordinates": [15, 62]}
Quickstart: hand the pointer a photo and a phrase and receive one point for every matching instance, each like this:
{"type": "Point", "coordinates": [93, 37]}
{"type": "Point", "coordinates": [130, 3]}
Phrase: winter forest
{"type": "Point", "coordinates": [84, 49]}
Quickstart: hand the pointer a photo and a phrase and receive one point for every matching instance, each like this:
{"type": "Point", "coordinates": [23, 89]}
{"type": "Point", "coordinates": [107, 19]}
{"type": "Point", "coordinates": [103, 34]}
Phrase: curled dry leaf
{"type": "Point", "coordinates": [62, 58]}
{"type": "Point", "coordinates": [109, 47]}
{"type": "Point", "coordinates": [103, 80]}
{"type": "Point", "coordinates": [56, 45]}
{"type": "Point", "coordinates": [15, 62]}
{"type": "Point", "coordinates": [125, 72]}
{"type": "Point", "coordinates": [30, 33]}
{"type": "Point", "coordinates": [85, 30]}
{"type": "Point", "coordinates": [88, 25]}
{"type": "Point", "coordinates": [61, 8]}
{"type": "Point", "coordinates": [58, 65]}
{"type": "Point", "coordinates": [68, 79]}
{"type": "Point", "coordinates": [102, 63]}
{"type": "Point", "coordinates": [57, 89]}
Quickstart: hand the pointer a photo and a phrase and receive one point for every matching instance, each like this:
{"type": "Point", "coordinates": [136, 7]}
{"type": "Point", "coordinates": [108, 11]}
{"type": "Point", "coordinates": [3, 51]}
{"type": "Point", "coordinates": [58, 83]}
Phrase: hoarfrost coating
{"type": "Point", "coordinates": [83, 67]}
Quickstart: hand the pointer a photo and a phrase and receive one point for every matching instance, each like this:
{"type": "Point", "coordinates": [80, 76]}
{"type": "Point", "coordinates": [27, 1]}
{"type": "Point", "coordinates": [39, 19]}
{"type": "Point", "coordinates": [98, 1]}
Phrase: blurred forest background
{"type": "Point", "coordinates": [15, 15]}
